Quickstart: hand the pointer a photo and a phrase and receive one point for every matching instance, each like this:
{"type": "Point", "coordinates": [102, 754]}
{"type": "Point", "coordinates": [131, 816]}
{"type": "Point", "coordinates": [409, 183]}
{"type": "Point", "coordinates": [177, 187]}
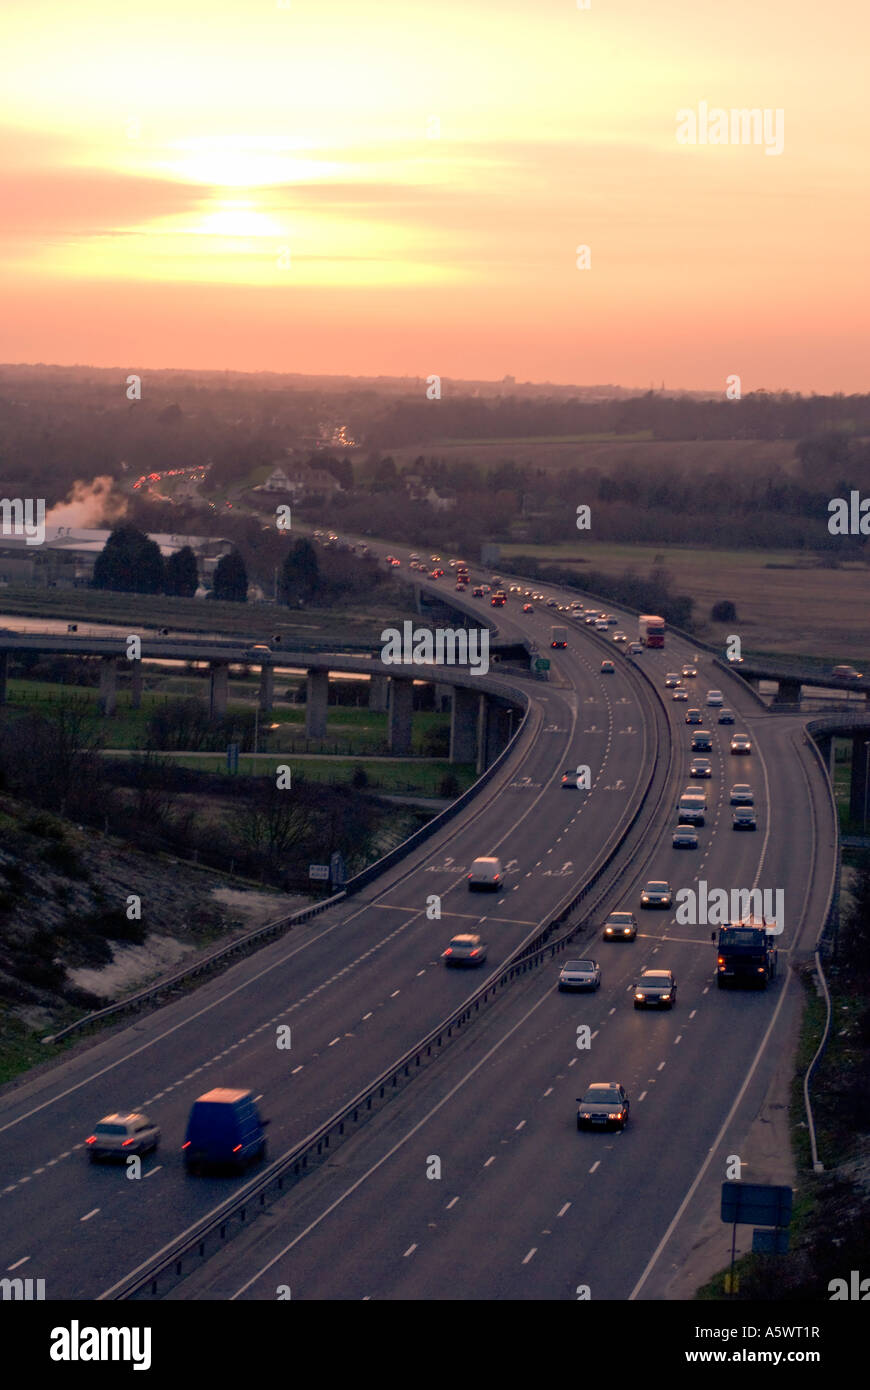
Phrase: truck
{"type": "Point", "coordinates": [558, 637]}
{"type": "Point", "coordinates": [651, 630]}
{"type": "Point", "coordinates": [746, 953]}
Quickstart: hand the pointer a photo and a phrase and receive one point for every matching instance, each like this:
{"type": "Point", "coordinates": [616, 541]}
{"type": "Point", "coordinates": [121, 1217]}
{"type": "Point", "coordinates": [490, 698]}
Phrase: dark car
{"type": "Point", "coordinates": [702, 741]}
{"type": "Point", "coordinates": [224, 1130]}
{"type": "Point", "coordinates": [603, 1105]}
{"type": "Point", "coordinates": [656, 989]}
{"type": "Point", "coordinates": [726, 716]}
{"type": "Point", "coordinates": [744, 818]}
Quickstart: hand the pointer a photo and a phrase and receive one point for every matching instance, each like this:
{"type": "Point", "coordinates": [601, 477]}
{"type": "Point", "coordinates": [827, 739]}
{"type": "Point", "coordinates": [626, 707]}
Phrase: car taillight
{"type": "Point", "coordinates": [91, 1139]}
{"type": "Point", "coordinates": [186, 1144]}
{"type": "Point", "coordinates": [475, 951]}
{"type": "Point", "coordinates": [126, 1142]}
{"type": "Point", "coordinates": [449, 951]}
{"type": "Point", "coordinates": [236, 1149]}
{"type": "Point", "coordinates": [495, 878]}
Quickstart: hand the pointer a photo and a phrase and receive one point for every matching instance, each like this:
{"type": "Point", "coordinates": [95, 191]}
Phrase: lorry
{"type": "Point", "coordinates": [224, 1130]}
{"type": "Point", "coordinates": [558, 637]}
{"type": "Point", "coordinates": [651, 630]}
{"type": "Point", "coordinates": [746, 953]}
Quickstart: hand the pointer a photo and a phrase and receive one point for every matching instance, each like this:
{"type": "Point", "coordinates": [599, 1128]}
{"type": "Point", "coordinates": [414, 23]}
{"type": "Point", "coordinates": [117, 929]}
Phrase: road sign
{"type": "Point", "coordinates": [319, 871]}
{"type": "Point", "coordinates": [774, 1242]}
{"type": "Point", "coordinates": [755, 1203]}
{"type": "Point", "coordinates": [542, 663]}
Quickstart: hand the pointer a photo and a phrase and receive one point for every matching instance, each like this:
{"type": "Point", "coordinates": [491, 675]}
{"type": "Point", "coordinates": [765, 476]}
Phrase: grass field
{"type": "Point", "coordinates": [404, 777]}
{"type": "Point", "coordinates": [783, 605]}
{"type": "Point", "coordinates": [349, 730]}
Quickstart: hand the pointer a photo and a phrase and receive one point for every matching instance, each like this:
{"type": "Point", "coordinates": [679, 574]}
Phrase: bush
{"type": "Point", "coordinates": [724, 612]}
{"type": "Point", "coordinates": [360, 777]}
{"type": "Point", "coordinates": [448, 786]}
{"type": "Point", "coordinates": [64, 859]}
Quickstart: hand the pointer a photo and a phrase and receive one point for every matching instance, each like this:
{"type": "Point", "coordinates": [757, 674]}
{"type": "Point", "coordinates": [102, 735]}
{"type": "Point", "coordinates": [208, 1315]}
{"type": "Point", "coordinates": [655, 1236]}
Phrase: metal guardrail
{"type": "Point", "coordinates": [167, 1267]}
{"type": "Point", "coordinates": [823, 942]}
{"type": "Point", "coordinates": [237, 947]}
{"type": "Point", "coordinates": [260, 935]}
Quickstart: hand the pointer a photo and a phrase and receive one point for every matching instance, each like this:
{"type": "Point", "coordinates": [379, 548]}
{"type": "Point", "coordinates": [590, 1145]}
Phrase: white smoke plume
{"type": "Point", "coordinates": [89, 505]}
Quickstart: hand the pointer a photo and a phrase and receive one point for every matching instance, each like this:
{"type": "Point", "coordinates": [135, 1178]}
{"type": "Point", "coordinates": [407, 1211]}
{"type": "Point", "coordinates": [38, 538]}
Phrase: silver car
{"type": "Point", "coordinates": [656, 894]}
{"type": "Point", "coordinates": [685, 837]}
{"type": "Point", "coordinates": [116, 1136]}
{"type": "Point", "coordinates": [580, 974]}
{"type": "Point", "coordinates": [741, 794]}
{"type": "Point", "coordinates": [466, 949]}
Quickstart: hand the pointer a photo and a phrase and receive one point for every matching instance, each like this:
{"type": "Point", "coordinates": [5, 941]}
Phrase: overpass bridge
{"type": "Point", "coordinates": [482, 721]}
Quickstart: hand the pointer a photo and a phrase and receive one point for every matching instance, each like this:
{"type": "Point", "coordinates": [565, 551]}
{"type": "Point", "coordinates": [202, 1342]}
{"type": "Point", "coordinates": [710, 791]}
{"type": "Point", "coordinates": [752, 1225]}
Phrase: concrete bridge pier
{"type": "Point", "coordinates": [108, 698]}
{"type": "Point", "coordinates": [400, 715]}
{"type": "Point", "coordinates": [859, 787]}
{"type": "Point", "coordinates": [788, 693]}
{"type": "Point", "coordinates": [218, 688]}
{"type": "Point", "coordinates": [379, 693]}
{"type": "Point", "coordinates": [825, 745]}
{"type": "Point", "coordinates": [316, 703]}
{"type": "Point", "coordinates": [267, 689]}
{"type": "Point", "coordinates": [463, 725]}
{"type": "Point", "coordinates": [136, 685]}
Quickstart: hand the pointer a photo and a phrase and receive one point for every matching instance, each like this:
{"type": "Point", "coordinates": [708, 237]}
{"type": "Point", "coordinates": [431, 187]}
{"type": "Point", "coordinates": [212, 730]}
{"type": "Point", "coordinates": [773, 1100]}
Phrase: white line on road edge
{"type": "Point", "coordinates": [653, 1260]}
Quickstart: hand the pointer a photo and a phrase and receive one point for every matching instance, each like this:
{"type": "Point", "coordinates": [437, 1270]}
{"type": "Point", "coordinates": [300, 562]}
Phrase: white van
{"type": "Point", "coordinates": [486, 873]}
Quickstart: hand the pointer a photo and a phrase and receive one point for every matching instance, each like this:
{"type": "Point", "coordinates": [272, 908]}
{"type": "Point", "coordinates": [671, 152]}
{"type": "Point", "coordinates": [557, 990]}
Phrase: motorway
{"type": "Point", "coordinates": [356, 985]}
{"type": "Point", "coordinates": [476, 1183]}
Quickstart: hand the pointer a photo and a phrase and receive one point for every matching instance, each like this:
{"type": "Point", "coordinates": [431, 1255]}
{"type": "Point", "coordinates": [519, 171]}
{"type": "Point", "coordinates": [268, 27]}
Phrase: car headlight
{"type": "Point", "coordinates": [640, 996]}
{"type": "Point", "coordinates": [626, 931]}
{"type": "Point", "coordinates": [665, 997]}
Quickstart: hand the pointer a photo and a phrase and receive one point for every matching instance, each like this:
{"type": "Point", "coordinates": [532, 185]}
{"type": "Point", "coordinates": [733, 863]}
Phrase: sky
{"type": "Point", "coordinates": [327, 186]}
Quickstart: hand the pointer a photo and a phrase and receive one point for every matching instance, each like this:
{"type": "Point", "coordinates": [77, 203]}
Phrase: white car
{"type": "Point", "coordinates": [635, 648]}
{"type": "Point", "coordinates": [580, 974]}
{"type": "Point", "coordinates": [116, 1136]}
{"type": "Point", "coordinates": [741, 743]}
{"type": "Point", "coordinates": [714, 698]}
{"type": "Point", "coordinates": [466, 949]}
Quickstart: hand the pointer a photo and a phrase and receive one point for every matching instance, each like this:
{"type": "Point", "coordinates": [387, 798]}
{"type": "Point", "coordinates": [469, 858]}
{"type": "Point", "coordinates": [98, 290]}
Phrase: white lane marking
{"type": "Point", "coordinates": [420, 972]}
{"type": "Point", "coordinates": [692, 1014]}
{"type": "Point", "coordinates": [677, 1039]}
{"type": "Point", "coordinates": [519, 1126]}
{"type": "Point", "coordinates": [89, 1214]}
{"type": "Point", "coordinates": [660, 1067]}
{"type": "Point", "coordinates": [334, 1041]}
{"type": "Point", "coordinates": [394, 993]}
{"type": "Point", "coordinates": [531, 1254]}
{"type": "Point", "coordinates": [152, 1171]}
{"type": "Point", "coordinates": [641, 1096]}
{"type": "Point", "coordinates": [22, 1261]}
{"type": "Point", "coordinates": [490, 1160]}
{"type": "Point", "coordinates": [451, 1203]}
{"type": "Point", "coordinates": [410, 1250]}
{"type": "Point", "coordinates": [562, 1210]}
{"type": "Point", "coordinates": [549, 1091]}
{"type": "Point", "coordinates": [596, 1164]}
{"type": "Point", "coordinates": [365, 1016]}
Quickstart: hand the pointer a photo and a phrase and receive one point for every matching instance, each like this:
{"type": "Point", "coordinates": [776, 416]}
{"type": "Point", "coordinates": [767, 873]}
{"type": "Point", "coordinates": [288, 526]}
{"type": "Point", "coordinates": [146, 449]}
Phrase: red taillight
{"type": "Point", "coordinates": [236, 1149]}
{"type": "Point", "coordinates": [91, 1139]}
{"type": "Point", "coordinates": [495, 878]}
{"type": "Point", "coordinates": [186, 1144]}
{"type": "Point", "coordinates": [469, 875]}
{"type": "Point", "coordinates": [449, 951]}
{"type": "Point", "coordinates": [126, 1142]}
{"type": "Point", "coordinates": [475, 951]}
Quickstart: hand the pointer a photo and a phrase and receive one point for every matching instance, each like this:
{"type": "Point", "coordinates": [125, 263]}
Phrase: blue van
{"type": "Point", "coordinates": [224, 1131]}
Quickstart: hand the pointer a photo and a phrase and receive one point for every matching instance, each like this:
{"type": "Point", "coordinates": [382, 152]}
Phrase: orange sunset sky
{"type": "Point", "coordinates": [348, 187]}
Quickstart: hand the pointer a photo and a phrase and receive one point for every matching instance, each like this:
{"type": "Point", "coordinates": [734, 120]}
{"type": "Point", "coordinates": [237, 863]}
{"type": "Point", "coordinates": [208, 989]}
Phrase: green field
{"type": "Point", "coordinates": [784, 605]}
{"type": "Point", "coordinates": [392, 776]}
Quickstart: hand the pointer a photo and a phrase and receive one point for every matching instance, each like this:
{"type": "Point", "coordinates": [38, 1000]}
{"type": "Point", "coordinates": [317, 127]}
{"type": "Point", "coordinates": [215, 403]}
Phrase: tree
{"type": "Point", "coordinates": [231, 578]}
{"type": "Point", "coordinates": [300, 575]}
{"type": "Point", "coordinates": [181, 576]}
{"type": "Point", "coordinates": [129, 563]}
{"type": "Point", "coordinates": [724, 612]}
